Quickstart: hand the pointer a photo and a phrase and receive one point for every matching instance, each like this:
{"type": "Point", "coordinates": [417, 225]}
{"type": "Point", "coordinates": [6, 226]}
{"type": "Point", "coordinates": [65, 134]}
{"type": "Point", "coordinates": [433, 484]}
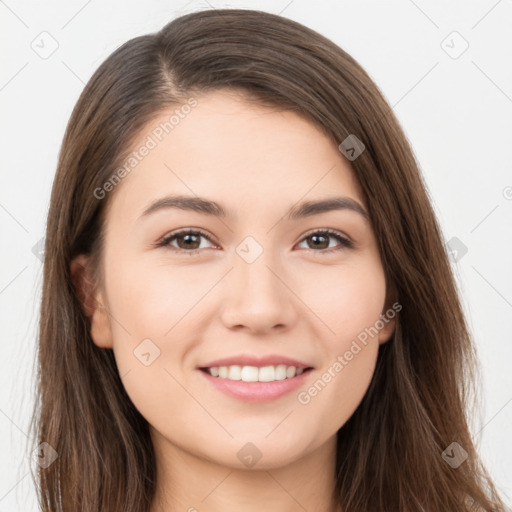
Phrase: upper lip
{"type": "Point", "coordinates": [248, 360]}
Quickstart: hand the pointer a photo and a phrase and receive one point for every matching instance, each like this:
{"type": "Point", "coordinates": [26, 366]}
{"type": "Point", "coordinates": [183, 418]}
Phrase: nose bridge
{"type": "Point", "coordinates": [253, 264]}
{"type": "Point", "coordinates": [256, 295]}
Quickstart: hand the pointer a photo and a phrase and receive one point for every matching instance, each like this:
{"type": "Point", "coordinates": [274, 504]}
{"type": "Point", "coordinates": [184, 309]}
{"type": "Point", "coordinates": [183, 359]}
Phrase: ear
{"type": "Point", "coordinates": [389, 328]}
{"type": "Point", "coordinates": [92, 302]}
{"type": "Point", "coordinates": [388, 316]}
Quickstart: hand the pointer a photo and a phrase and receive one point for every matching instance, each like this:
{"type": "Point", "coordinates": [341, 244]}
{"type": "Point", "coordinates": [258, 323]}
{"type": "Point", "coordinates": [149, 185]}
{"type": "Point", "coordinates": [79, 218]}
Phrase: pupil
{"type": "Point", "coordinates": [316, 237]}
{"type": "Point", "coordinates": [187, 238]}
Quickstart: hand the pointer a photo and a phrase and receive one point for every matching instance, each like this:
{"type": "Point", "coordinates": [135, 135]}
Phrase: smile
{"type": "Point", "coordinates": [254, 373]}
{"type": "Point", "coordinates": [256, 384]}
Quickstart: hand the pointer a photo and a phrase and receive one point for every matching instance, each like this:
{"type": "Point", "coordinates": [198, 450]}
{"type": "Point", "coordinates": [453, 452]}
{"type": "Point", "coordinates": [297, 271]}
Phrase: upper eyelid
{"type": "Point", "coordinates": [188, 230]}
{"type": "Point", "coordinates": [329, 231]}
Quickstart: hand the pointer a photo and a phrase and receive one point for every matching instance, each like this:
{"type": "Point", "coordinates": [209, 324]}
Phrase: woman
{"type": "Point", "coordinates": [310, 351]}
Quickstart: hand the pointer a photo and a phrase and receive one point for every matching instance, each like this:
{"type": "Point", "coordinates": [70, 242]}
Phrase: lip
{"type": "Point", "coordinates": [256, 391]}
{"type": "Point", "coordinates": [247, 360]}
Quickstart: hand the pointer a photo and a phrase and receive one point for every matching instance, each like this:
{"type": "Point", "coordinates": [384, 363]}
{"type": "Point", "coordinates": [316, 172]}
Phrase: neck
{"type": "Point", "coordinates": [186, 482]}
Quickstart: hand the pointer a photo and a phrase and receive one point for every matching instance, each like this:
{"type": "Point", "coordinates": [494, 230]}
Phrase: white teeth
{"type": "Point", "coordinates": [249, 374]}
{"type": "Point", "coordinates": [266, 374]}
{"type": "Point", "coordinates": [281, 372]}
{"type": "Point", "coordinates": [234, 372]}
{"type": "Point", "coordinates": [254, 373]}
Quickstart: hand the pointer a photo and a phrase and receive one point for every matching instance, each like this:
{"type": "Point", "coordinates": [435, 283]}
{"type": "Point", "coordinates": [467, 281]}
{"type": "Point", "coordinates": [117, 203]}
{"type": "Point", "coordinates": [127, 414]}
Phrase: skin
{"type": "Point", "coordinates": [295, 300]}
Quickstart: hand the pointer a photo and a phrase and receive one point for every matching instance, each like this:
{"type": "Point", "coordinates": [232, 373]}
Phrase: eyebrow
{"type": "Point", "coordinates": [208, 207]}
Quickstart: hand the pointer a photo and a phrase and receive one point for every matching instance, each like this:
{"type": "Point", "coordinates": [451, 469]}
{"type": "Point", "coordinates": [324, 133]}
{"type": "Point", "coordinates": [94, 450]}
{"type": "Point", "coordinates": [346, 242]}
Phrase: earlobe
{"type": "Point", "coordinates": [101, 331]}
{"type": "Point", "coordinates": [388, 317]}
{"type": "Point", "coordinates": [387, 331]}
{"type": "Point", "coordinates": [92, 302]}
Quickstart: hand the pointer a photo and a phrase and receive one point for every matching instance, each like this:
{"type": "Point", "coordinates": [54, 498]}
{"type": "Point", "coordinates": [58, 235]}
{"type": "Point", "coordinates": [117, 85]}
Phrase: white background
{"type": "Point", "coordinates": [457, 113]}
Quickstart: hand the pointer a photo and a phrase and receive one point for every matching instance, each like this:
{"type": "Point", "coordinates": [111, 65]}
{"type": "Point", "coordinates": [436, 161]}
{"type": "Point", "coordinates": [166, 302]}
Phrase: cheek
{"type": "Point", "coordinates": [153, 321]}
{"type": "Point", "coordinates": [339, 387]}
{"type": "Point", "coordinates": [146, 297]}
{"type": "Point", "coordinates": [346, 298]}
{"type": "Point", "coordinates": [349, 303]}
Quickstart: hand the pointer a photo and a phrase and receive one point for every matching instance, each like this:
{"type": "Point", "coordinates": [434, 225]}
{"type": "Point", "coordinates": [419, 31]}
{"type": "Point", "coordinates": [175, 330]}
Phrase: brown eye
{"type": "Point", "coordinates": [187, 241]}
{"type": "Point", "coordinates": [320, 240]}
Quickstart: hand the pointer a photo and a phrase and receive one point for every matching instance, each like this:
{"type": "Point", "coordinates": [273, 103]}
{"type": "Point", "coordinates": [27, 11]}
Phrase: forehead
{"type": "Point", "coordinates": [232, 149]}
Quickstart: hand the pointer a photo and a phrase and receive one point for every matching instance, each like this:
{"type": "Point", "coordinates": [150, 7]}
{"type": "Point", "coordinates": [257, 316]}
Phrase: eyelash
{"type": "Point", "coordinates": [344, 242]}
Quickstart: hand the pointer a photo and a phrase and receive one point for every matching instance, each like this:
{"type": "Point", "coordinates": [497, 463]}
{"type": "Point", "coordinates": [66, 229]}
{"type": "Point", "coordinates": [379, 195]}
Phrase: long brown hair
{"type": "Point", "coordinates": [389, 455]}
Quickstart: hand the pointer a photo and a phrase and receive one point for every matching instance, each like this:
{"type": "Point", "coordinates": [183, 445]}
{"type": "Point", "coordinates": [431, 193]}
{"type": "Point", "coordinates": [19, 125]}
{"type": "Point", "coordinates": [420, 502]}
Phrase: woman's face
{"type": "Point", "coordinates": [266, 284]}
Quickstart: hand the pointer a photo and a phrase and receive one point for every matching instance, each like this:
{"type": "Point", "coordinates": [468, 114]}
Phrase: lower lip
{"type": "Point", "coordinates": [257, 391]}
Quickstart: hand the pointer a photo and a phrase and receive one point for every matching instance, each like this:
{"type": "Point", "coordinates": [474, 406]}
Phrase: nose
{"type": "Point", "coordinates": [257, 297]}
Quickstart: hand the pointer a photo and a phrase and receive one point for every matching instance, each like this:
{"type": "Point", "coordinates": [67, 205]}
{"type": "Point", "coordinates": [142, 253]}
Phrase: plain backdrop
{"type": "Point", "coordinates": [444, 67]}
